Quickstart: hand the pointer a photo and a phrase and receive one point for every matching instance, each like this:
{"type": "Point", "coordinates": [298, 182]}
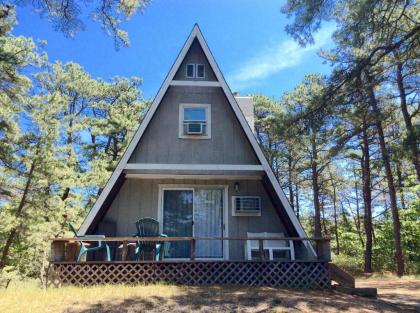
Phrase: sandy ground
{"type": "Point", "coordinates": [395, 295]}
{"type": "Point", "coordinates": [404, 293]}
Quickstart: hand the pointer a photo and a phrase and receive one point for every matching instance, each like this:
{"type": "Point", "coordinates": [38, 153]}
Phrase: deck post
{"type": "Point", "coordinates": [323, 249]}
{"type": "Point", "coordinates": [261, 248]}
{"type": "Point", "coordinates": [72, 250]}
{"type": "Point", "coordinates": [192, 248]}
{"type": "Point", "coordinates": [124, 251]}
{"type": "Point", "coordinates": [58, 251]}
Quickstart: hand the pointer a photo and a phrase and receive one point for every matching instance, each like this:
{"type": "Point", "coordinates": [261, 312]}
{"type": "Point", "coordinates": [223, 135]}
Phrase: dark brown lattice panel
{"type": "Point", "coordinates": [272, 274]}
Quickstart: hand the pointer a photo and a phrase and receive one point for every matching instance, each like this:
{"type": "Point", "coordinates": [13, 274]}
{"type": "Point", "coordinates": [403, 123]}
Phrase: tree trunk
{"type": "Point", "coordinates": [323, 221]}
{"type": "Point", "coordinates": [412, 140]}
{"type": "Point", "coordinates": [115, 149]}
{"type": "Point", "coordinates": [94, 147]}
{"type": "Point", "coordinates": [400, 183]}
{"type": "Point", "coordinates": [13, 232]}
{"type": "Point", "coordinates": [297, 200]}
{"type": "Point", "coordinates": [367, 198]}
{"type": "Point", "coordinates": [290, 182]}
{"type": "Point", "coordinates": [315, 188]}
{"type": "Point", "coordinates": [65, 194]}
{"type": "Point", "coordinates": [337, 242]}
{"type": "Point", "coordinates": [356, 219]}
{"type": "Point", "coordinates": [344, 215]}
{"type": "Point", "coordinates": [399, 258]}
{"type": "Point", "coordinates": [66, 191]}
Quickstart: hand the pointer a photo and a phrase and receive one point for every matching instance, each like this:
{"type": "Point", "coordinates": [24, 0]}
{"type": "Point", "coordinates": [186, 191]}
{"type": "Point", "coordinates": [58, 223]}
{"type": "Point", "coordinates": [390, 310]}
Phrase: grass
{"type": "Point", "coordinates": [21, 296]}
{"type": "Point", "coordinates": [29, 297]}
{"type": "Point", "coordinates": [387, 276]}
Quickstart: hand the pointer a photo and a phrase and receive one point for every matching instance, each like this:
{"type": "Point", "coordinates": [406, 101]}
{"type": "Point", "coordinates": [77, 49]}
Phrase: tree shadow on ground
{"type": "Point", "coordinates": [234, 299]}
{"type": "Point", "coordinates": [384, 286]}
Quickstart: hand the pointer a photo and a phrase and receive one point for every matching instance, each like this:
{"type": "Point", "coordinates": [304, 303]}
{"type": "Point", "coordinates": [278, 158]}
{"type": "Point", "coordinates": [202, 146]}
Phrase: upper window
{"type": "Point", "coordinates": [199, 70]}
{"type": "Point", "coordinates": [195, 70]}
{"type": "Point", "coordinates": [194, 121]}
{"type": "Point", "coordinates": [190, 70]}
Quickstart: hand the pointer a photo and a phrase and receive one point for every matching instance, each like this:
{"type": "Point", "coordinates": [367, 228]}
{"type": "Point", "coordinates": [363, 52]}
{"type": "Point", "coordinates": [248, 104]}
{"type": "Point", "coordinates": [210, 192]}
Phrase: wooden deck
{"type": "Point", "coordinates": [291, 274]}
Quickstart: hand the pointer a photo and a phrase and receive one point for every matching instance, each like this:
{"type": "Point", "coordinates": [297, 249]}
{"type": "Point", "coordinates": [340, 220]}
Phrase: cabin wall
{"type": "Point", "coordinates": [228, 143]}
{"type": "Point", "coordinates": [138, 198]}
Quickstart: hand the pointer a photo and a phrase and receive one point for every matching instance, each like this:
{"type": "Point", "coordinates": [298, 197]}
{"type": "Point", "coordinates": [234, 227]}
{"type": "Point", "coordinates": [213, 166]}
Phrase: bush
{"type": "Point", "coordinates": [7, 274]}
{"type": "Point", "coordinates": [351, 264]}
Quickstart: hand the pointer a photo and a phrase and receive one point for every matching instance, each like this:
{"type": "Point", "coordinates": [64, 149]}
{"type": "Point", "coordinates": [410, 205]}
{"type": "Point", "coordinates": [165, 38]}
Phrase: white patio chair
{"type": "Point", "coordinates": [270, 245]}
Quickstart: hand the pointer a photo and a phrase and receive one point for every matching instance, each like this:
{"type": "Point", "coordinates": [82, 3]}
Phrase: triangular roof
{"type": "Point", "coordinates": [115, 177]}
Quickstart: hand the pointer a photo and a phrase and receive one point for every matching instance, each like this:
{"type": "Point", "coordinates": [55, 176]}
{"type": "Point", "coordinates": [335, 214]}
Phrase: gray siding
{"type": "Point", "coordinates": [139, 198]}
{"type": "Point", "coordinates": [160, 142]}
{"type": "Point", "coordinates": [195, 56]}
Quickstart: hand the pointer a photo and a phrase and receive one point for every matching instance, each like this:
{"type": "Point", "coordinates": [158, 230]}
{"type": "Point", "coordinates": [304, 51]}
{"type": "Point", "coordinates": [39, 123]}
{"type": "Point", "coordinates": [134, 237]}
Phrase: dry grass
{"type": "Point", "coordinates": [27, 297]}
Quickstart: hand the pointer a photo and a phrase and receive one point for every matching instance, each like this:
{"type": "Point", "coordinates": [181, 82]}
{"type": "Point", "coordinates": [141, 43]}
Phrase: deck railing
{"type": "Point", "coordinates": [66, 249]}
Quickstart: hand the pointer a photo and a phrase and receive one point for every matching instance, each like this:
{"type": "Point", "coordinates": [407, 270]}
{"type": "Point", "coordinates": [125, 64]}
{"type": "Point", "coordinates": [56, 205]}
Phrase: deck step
{"type": "Point", "coordinates": [363, 292]}
{"type": "Point", "coordinates": [341, 277]}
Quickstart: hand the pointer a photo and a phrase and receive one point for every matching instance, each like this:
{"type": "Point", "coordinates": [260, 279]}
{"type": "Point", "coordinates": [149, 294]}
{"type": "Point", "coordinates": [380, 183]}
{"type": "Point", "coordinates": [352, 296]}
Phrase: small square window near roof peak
{"type": "Point", "coordinates": [200, 70]}
{"type": "Point", "coordinates": [190, 70]}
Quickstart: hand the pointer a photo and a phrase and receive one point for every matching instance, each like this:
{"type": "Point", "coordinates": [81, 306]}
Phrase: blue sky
{"type": "Point", "coordinates": [246, 37]}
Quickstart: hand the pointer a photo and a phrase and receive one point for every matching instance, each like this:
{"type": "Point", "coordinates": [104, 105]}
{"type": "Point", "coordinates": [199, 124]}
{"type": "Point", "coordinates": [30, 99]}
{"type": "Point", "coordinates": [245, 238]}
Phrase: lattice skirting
{"type": "Point", "coordinates": [271, 274]}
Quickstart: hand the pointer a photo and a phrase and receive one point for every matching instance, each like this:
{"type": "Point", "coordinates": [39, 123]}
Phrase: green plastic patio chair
{"type": "Point", "coordinates": [85, 249]}
{"type": "Point", "coordinates": [149, 227]}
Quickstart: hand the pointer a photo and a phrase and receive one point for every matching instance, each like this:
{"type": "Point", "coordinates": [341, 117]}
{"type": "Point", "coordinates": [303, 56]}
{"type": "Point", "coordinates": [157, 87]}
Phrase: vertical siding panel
{"type": "Point", "coordinates": [123, 207]}
{"type": "Point", "coordinates": [133, 208]}
{"type": "Point", "coordinates": [154, 191]}
{"type": "Point", "coordinates": [147, 206]}
{"type": "Point", "coordinates": [213, 150]}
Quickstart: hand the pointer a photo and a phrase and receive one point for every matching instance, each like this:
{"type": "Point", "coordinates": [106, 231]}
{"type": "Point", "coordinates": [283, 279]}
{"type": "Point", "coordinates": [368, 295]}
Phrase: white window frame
{"type": "Point", "coordinates": [236, 213]}
{"type": "Point", "coordinates": [194, 70]}
{"type": "Point", "coordinates": [183, 106]}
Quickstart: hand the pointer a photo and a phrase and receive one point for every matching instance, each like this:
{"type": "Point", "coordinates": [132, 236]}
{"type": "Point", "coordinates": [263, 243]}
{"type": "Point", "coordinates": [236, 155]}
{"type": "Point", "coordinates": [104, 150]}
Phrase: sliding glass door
{"type": "Point", "coordinates": [178, 220]}
{"type": "Point", "coordinates": [194, 212]}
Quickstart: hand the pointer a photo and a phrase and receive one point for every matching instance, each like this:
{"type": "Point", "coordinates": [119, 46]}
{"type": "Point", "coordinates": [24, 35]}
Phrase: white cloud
{"type": "Point", "coordinates": [275, 58]}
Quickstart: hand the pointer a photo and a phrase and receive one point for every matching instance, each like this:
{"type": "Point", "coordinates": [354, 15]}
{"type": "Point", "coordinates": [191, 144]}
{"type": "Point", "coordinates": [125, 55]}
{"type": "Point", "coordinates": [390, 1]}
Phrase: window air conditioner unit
{"type": "Point", "coordinates": [246, 206]}
{"type": "Point", "coordinates": [195, 128]}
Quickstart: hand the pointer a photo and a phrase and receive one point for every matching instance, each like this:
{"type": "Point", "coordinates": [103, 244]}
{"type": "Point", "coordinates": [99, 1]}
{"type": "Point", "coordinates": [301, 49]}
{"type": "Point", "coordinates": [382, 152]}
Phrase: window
{"type": "Point", "coordinates": [195, 70]}
{"type": "Point", "coordinates": [246, 206]}
{"type": "Point", "coordinates": [199, 73]}
{"type": "Point", "coordinates": [194, 121]}
{"type": "Point", "coordinates": [190, 70]}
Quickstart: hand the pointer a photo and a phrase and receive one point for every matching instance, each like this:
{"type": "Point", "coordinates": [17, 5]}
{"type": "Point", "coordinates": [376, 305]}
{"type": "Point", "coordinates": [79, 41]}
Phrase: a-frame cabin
{"type": "Point", "coordinates": [195, 167]}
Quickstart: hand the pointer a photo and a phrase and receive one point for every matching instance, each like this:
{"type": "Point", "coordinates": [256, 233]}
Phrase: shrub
{"type": "Point", "coordinates": [351, 264]}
